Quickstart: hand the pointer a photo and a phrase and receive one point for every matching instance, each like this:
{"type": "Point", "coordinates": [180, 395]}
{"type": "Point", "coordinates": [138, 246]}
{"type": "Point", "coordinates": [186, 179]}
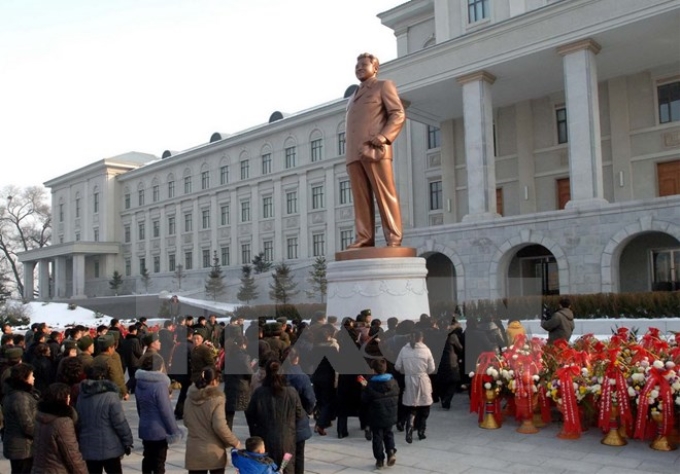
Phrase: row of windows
{"type": "Point", "coordinates": [224, 255]}
{"type": "Point", "coordinates": [318, 202]}
{"type": "Point", "coordinates": [316, 150]}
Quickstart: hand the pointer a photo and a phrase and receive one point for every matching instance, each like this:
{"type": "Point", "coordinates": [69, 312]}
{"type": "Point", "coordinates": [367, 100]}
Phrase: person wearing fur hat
{"type": "Point", "coordinates": [157, 425]}
{"type": "Point", "coordinates": [114, 369]}
{"type": "Point", "coordinates": [103, 427]}
{"type": "Point", "coordinates": [152, 344]}
{"type": "Point", "coordinates": [55, 448]}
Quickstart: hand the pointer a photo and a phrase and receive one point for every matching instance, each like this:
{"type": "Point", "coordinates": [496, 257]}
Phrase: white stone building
{"type": "Point", "coordinates": [541, 156]}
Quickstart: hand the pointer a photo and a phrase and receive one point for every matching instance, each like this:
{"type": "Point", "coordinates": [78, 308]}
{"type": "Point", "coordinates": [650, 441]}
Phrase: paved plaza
{"type": "Point", "coordinates": [454, 445]}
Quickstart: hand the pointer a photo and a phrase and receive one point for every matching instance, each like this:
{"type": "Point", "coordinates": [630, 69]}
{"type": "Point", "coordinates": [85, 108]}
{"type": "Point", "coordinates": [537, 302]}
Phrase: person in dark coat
{"type": "Point", "coordinates": [131, 351]}
{"type": "Point", "coordinates": [300, 381]}
{"type": "Point", "coordinates": [381, 397]}
{"type": "Point", "coordinates": [167, 339]}
{"type": "Point", "coordinates": [323, 378]}
{"type": "Point", "coordinates": [179, 369]}
{"type": "Point", "coordinates": [477, 340]}
{"type": "Point", "coordinates": [448, 375]}
{"type": "Point", "coordinates": [349, 389]}
{"type": "Point", "coordinates": [202, 355]}
{"type": "Point", "coordinates": [103, 429]}
{"type": "Point", "coordinates": [273, 413]}
{"type": "Point", "coordinates": [19, 407]}
{"type": "Point", "coordinates": [56, 449]}
{"type": "Point", "coordinates": [43, 367]}
{"type": "Point", "coordinates": [561, 324]}
{"type": "Point", "coordinates": [238, 373]}
{"type": "Point", "coordinates": [55, 345]}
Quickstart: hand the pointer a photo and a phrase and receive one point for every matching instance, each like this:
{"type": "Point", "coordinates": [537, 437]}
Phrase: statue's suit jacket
{"type": "Point", "coordinates": [374, 109]}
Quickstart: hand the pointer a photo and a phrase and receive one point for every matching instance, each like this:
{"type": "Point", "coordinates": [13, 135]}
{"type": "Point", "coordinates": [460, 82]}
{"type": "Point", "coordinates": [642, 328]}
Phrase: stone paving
{"type": "Point", "coordinates": [454, 445]}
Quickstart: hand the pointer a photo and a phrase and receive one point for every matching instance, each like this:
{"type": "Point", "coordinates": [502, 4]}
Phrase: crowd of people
{"type": "Point", "coordinates": [62, 393]}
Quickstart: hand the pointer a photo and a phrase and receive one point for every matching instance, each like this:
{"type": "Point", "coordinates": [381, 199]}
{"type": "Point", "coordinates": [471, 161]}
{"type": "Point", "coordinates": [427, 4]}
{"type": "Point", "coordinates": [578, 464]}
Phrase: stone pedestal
{"type": "Point", "coordinates": [387, 286]}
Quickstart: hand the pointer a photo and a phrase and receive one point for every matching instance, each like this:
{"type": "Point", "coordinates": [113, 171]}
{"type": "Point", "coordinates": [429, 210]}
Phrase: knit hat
{"type": "Point", "coordinates": [85, 342]}
{"type": "Point", "coordinates": [15, 353]}
{"type": "Point", "coordinates": [104, 342]}
{"type": "Point", "coordinates": [150, 338]}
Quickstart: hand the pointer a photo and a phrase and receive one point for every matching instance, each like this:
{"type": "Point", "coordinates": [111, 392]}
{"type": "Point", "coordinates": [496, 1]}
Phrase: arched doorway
{"type": "Point", "coordinates": [441, 279]}
{"type": "Point", "coordinates": [533, 271]}
{"type": "Point", "coordinates": [650, 261]}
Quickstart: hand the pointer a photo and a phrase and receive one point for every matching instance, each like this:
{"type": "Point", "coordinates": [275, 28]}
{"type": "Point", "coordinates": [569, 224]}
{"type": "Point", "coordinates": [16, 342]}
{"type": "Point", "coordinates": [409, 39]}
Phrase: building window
{"type": "Point", "coordinates": [206, 258]}
{"type": "Point", "coordinates": [95, 205]}
{"type": "Point", "coordinates": [224, 253]}
{"type": "Point", "coordinates": [187, 185]}
{"type": "Point", "coordinates": [142, 265]}
{"type": "Point", "coordinates": [61, 213]}
{"type": "Point", "coordinates": [77, 236]}
{"type": "Point", "coordinates": [245, 169]}
{"type": "Point", "coordinates": [245, 254]}
{"type": "Point", "coordinates": [290, 157]}
{"type": "Point", "coordinates": [156, 264]}
{"type": "Point", "coordinates": [478, 10]}
{"type": "Point", "coordinates": [224, 174]}
{"type": "Point", "coordinates": [156, 228]}
{"type": "Point", "coordinates": [171, 225]}
{"type": "Point", "coordinates": [267, 207]}
{"type": "Point", "coordinates": [171, 262]}
{"type": "Point", "coordinates": [341, 143]}
{"type": "Point", "coordinates": [346, 238]}
{"type": "Point", "coordinates": [127, 234]}
{"type": "Point", "coordinates": [127, 200]}
{"type": "Point", "coordinates": [156, 193]}
{"type": "Point", "coordinates": [77, 207]}
{"type": "Point", "coordinates": [96, 268]}
{"type": "Point", "coordinates": [188, 222]}
{"type": "Point", "coordinates": [142, 230]}
{"type": "Point", "coordinates": [205, 180]}
{"type": "Point", "coordinates": [224, 215]}
{"type": "Point", "coordinates": [268, 246]}
{"type": "Point", "coordinates": [669, 102]}
{"type": "Point", "coordinates": [188, 260]}
{"type": "Point", "coordinates": [318, 245]}
{"type": "Point", "coordinates": [291, 202]}
{"type": "Point", "coordinates": [435, 195]}
{"type": "Point", "coordinates": [171, 189]}
{"type": "Point", "coordinates": [96, 235]}
{"type": "Point", "coordinates": [128, 267]}
{"type": "Point", "coordinates": [345, 192]}
{"type": "Point", "coordinates": [561, 117]}
{"type": "Point", "coordinates": [317, 149]}
{"type": "Point", "coordinates": [292, 248]}
{"type": "Point", "coordinates": [433, 137]}
{"type": "Point", "coordinates": [317, 197]}
{"type": "Point", "coordinates": [140, 197]}
{"type": "Point", "coordinates": [205, 219]}
{"type": "Point", "coordinates": [666, 270]}
{"type": "Point", "coordinates": [245, 211]}
{"type": "Point", "coordinates": [266, 163]}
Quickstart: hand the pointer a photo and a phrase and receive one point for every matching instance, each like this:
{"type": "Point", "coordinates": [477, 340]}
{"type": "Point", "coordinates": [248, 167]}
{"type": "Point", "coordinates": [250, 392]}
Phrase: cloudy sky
{"type": "Point", "coordinates": [82, 80]}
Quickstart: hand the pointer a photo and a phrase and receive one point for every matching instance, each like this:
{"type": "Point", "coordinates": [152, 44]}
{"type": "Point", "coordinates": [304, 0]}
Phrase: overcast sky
{"type": "Point", "coordinates": [82, 80]}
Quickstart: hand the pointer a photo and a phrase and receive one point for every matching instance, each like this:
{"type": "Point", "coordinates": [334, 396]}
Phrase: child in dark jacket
{"type": "Point", "coordinates": [381, 398]}
{"type": "Point", "coordinates": [253, 459]}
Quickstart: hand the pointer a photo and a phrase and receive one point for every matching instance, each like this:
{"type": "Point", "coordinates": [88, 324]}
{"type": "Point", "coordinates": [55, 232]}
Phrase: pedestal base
{"type": "Point", "coordinates": [387, 286]}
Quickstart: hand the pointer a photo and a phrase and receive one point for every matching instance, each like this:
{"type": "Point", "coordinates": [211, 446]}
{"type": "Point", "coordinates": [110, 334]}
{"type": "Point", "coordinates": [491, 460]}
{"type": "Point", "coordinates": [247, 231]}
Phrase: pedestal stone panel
{"type": "Point", "coordinates": [387, 286]}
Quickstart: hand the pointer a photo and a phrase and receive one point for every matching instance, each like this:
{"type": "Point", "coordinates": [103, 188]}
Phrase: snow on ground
{"type": "Point", "coordinates": [58, 315]}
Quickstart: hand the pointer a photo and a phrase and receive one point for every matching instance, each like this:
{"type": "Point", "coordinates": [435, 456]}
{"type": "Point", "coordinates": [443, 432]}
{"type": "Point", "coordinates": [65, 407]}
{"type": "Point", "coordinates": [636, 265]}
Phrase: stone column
{"type": "Point", "coordinates": [583, 123]}
{"type": "Point", "coordinates": [78, 276]}
{"type": "Point", "coordinates": [60, 277]}
{"type": "Point", "coordinates": [44, 279]}
{"type": "Point", "coordinates": [479, 158]}
{"type": "Point", "coordinates": [29, 268]}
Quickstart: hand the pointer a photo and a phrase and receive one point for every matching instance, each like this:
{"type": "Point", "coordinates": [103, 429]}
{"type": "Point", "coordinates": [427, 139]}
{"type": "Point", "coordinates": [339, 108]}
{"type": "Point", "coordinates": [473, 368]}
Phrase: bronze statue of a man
{"type": "Point", "coordinates": [375, 116]}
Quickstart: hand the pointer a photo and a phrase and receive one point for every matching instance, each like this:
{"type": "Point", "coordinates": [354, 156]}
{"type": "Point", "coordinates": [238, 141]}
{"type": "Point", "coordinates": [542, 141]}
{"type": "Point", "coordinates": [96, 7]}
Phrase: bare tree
{"type": "Point", "coordinates": [25, 224]}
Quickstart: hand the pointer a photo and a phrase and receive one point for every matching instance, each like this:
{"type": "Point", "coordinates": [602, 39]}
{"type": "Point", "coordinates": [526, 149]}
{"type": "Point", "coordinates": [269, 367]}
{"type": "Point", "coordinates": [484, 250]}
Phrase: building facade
{"type": "Point", "coordinates": [541, 156]}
